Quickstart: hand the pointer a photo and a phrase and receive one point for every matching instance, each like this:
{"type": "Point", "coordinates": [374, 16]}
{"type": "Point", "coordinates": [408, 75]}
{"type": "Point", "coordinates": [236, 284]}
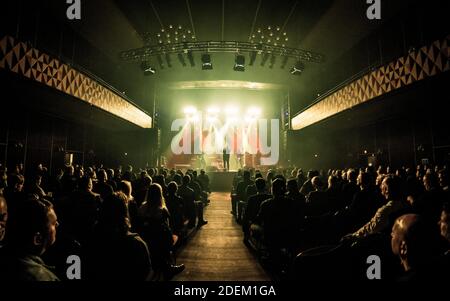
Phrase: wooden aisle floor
{"type": "Point", "coordinates": [216, 252]}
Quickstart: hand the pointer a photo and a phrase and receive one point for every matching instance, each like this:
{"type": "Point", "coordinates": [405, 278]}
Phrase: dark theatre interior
{"type": "Point", "coordinates": [221, 140]}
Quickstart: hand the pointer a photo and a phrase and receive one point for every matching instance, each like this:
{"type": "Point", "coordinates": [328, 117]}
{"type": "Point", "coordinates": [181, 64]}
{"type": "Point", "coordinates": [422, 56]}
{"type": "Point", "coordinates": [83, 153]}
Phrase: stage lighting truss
{"type": "Point", "coordinates": [146, 52]}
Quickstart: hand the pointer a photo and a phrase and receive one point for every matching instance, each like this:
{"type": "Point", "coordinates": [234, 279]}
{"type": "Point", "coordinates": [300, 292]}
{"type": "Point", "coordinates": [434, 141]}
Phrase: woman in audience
{"type": "Point", "coordinates": [126, 188]}
{"type": "Point", "coordinates": [156, 230]}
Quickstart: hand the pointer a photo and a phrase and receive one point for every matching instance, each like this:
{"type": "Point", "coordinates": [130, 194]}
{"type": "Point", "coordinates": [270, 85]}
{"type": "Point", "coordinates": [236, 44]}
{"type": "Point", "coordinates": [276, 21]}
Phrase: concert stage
{"type": "Point", "coordinates": [221, 180]}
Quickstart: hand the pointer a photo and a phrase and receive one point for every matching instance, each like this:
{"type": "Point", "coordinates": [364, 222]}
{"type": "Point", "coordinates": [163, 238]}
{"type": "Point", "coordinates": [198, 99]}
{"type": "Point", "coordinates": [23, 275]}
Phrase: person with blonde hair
{"type": "Point", "coordinates": [155, 228]}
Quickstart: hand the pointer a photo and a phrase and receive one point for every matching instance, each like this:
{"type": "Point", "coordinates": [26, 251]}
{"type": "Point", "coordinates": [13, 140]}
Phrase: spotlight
{"type": "Point", "coordinates": [272, 61]}
{"type": "Point", "coordinates": [298, 68]}
{"type": "Point", "coordinates": [190, 58]}
{"type": "Point", "coordinates": [264, 59]}
{"type": "Point", "coordinates": [160, 61]}
{"type": "Point", "coordinates": [191, 114]}
{"type": "Point", "coordinates": [284, 62]}
{"type": "Point", "coordinates": [181, 59]}
{"type": "Point", "coordinates": [185, 47]}
{"type": "Point", "coordinates": [213, 110]}
{"type": "Point", "coordinates": [206, 62]}
{"type": "Point", "coordinates": [190, 110]}
{"type": "Point", "coordinates": [193, 118]}
{"type": "Point", "coordinates": [253, 111]}
{"type": "Point", "coordinates": [231, 111]}
{"type": "Point", "coordinates": [211, 118]}
{"type": "Point", "coordinates": [148, 70]}
{"type": "Point", "coordinates": [252, 58]}
{"type": "Point", "coordinates": [232, 119]}
{"type": "Point", "coordinates": [239, 63]}
{"type": "Point", "coordinates": [249, 119]}
{"type": "Point", "coordinates": [168, 60]}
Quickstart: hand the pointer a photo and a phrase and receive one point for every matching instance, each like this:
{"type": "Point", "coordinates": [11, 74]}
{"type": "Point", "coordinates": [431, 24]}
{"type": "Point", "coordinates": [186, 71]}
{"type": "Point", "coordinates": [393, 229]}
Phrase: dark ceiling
{"type": "Point", "coordinates": [327, 27]}
{"type": "Point", "coordinates": [337, 29]}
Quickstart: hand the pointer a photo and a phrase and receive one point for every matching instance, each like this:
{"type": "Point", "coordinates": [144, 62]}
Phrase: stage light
{"type": "Point", "coordinates": [160, 61]}
{"type": "Point", "coordinates": [191, 114]}
{"type": "Point", "coordinates": [148, 70]}
{"type": "Point", "coordinates": [284, 62]}
{"type": "Point", "coordinates": [168, 60]}
{"type": "Point", "coordinates": [254, 111]}
{"type": "Point", "coordinates": [211, 118]}
{"type": "Point", "coordinates": [213, 110]}
{"type": "Point", "coordinates": [231, 110]}
{"type": "Point", "coordinates": [239, 63]}
{"type": "Point", "coordinates": [264, 59]}
{"type": "Point", "coordinates": [191, 58]}
{"type": "Point", "coordinates": [272, 61]}
{"type": "Point", "coordinates": [193, 118]}
{"type": "Point", "coordinates": [252, 58]}
{"type": "Point", "coordinates": [232, 119]}
{"type": "Point", "coordinates": [298, 68]}
{"type": "Point", "coordinates": [206, 62]}
{"type": "Point", "coordinates": [181, 59]}
{"type": "Point", "coordinates": [250, 119]}
{"type": "Point", "coordinates": [190, 110]}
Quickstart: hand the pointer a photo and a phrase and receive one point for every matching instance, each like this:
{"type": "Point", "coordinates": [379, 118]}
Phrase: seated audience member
{"type": "Point", "coordinates": [35, 187]}
{"type": "Point", "coordinates": [307, 186]}
{"type": "Point", "coordinates": [114, 252]}
{"type": "Point", "coordinates": [253, 206]}
{"type": "Point", "coordinates": [193, 209]}
{"type": "Point", "coordinates": [383, 218]}
{"type": "Point", "coordinates": [68, 180]}
{"type": "Point", "coordinates": [140, 194]}
{"type": "Point", "coordinates": [176, 207]}
{"type": "Point", "coordinates": [111, 182]}
{"type": "Point", "coordinates": [293, 192]}
{"type": "Point", "coordinates": [31, 230]}
{"type": "Point", "coordinates": [80, 212]}
{"type": "Point", "coordinates": [444, 226]}
{"type": "Point", "coordinates": [126, 188]}
{"type": "Point", "coordinates": [443, 180]}
{"type": "Point", "coordinates": [156, 231]}
{"type": "Point", "coordinates": [430, 203]}
{"type": "Point", "coordinates": [349, 189]}
{"type": "Point", "coordinates": [102, 187]}
{"type": "Point", "coordinates": [416, 242]}
{"type": "Point", "coordinates": [3, 219]}
{"type": "Point", "coordinates": [278, 218]}
{"type": "Point", "coordinates": [204, 180]}
{"type": "Point", "coordinates": [14, 193]}
{"type": "Point", "coordinates": [364, 205]}
{"type": "Point", "coordinates": [317, 202]}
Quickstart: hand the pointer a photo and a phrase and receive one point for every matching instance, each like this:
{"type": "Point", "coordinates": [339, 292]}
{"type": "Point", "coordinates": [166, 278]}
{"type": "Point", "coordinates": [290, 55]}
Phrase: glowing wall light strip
{"type": "Point", "coordinates": [29, 62]}
{"type": "Point", "coordinates": [223, 84]}
{"type": "Point", "coordinates": [426, 62]}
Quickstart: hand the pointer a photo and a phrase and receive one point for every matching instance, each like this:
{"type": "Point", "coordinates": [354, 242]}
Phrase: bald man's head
{"type": "Point", "coordinates": [414, 240]}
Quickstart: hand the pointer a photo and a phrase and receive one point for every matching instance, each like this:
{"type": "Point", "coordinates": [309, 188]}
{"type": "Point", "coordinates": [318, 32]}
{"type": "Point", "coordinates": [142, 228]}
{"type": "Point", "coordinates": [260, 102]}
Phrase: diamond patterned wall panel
{"type": "Point", "coordinates": [425, 62]}
{"type": "Point", "coordinates": [21, 58]}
